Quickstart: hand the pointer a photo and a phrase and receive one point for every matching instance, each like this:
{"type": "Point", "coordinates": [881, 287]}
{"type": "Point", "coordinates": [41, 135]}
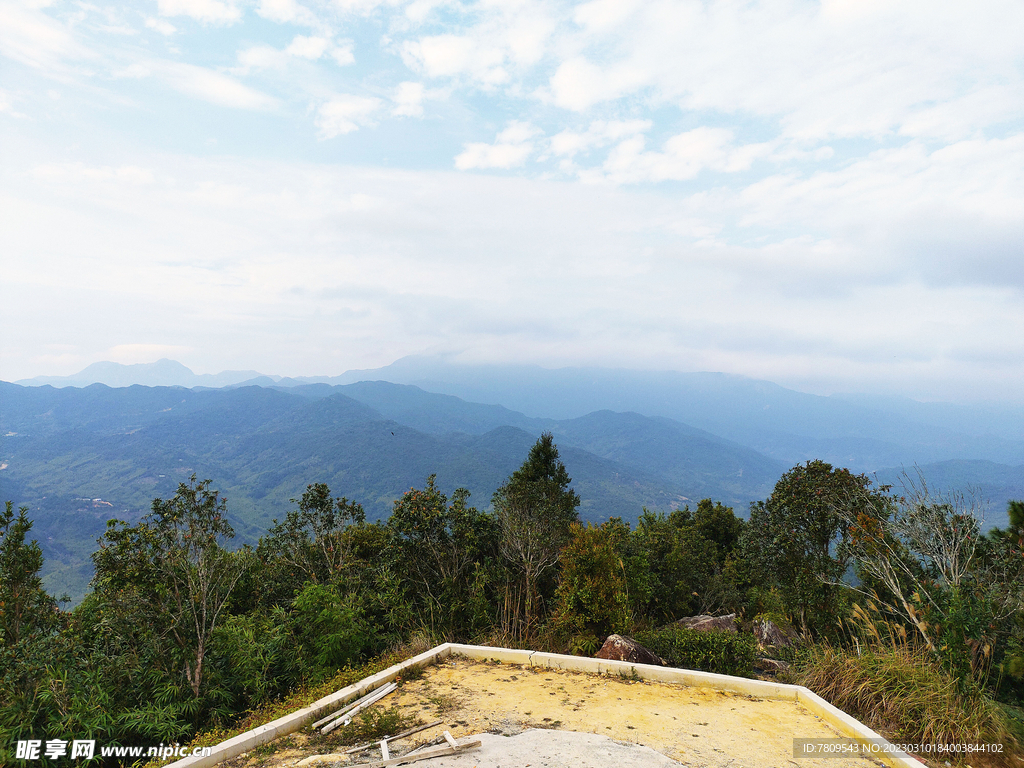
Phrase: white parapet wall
{"type": "Point", "coordinates": [842, 722]}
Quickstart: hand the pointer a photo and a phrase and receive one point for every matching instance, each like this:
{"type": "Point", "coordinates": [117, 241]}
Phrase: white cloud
{"type": "Point", "coordinates": [6, 107]}
{"type": "Point", "coordinates": [29, 36]}
{"type": "Point", "coordinates": [160, 25]}
{"type": "Point", "coordinates": [74, 173]}
{"type": "Point", "coordinates": [600, 133]}
{"type": "Point", "coordinates": [206, 11]}
{"type": "Point", "coordinates": [510, 38]}
{"type": "Point", "coordinates": [578, 84]}
{"type": "Point", "coordinates": [261, 57]}
{"type": "Point", "coordinates": [683, 157]}
{"type": "Point", "coordinates": [361, 7]}
{"type": "Point", "coordinates": [851, 167]}
{"type": "Point", "coordinates": [451, 55]}
{"type": "Point", "coordinates": [345, 114]}
{"type": "Point", "coordinates": [310, 47]}
{"type": "Point", "coordinates": [819, 70]}
{"type": "Point", "coordinates": [285, 12]}
{"type": "Point", "coordinates": [212, 86]}
{"type": "Point", "coordinates": [343, 54]}
{"type": "Point", "coordinates": [350, 267]}
{"type": "Point", "coordinates": [511, 148]}
{"type": "Point", "coordinates": [408, 100]}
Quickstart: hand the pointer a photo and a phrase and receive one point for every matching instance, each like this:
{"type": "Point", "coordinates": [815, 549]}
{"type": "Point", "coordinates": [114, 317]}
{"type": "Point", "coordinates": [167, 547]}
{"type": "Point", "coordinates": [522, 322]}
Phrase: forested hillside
{"type": "Point", "coordinates": [183, 632]}
{"type": "Point", "coordinates": [78, 456]}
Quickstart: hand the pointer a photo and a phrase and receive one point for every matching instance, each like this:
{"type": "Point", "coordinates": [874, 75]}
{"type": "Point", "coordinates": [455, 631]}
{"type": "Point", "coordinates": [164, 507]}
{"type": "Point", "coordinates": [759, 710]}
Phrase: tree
{"type": "Point", "coordinates": [29, 618]}
{"type": "Point", "coordinates": [686, 554]}
{"type": "Point", "coordinates": [795, 540]}
{"type": "Point", "coordinates": [312, 542]}
{"type": "Point", "coordinates": [535, 509]}
{"type": "Point", "coordinates": [172, 567]}
{"type": "Point", "coordinates": [922, 558]}
{"type": "Point", "coordinates": [438, 543]}
{"type": "Point", "coordinates": [26, 609]}
{"type": "Point", "coordinates": [592, 599]}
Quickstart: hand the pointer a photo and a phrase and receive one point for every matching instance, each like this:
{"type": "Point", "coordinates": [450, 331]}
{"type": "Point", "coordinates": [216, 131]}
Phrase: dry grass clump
{"type": "Point", "coordinates": [902, 692]}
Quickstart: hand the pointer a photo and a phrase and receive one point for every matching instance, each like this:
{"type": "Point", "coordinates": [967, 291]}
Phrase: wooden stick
{"type": "Point", "coordinates": [411, 758]}
{"type": "Point", "coordinates": [424, 745]}
{"type": "Point", "coordinates": [384, 754]}
{"type": "Point", "coordinates": [401, 735]}
{"type": "Point", "coordinates": [346, 718]}
{"type": "Point", "coordinates": [450, 740]}
{"type": "Point", "coordinates": [346, 708]}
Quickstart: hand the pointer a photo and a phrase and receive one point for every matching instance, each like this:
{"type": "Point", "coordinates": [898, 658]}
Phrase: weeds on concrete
{"type": "Point", "coordinates": [371, 725]}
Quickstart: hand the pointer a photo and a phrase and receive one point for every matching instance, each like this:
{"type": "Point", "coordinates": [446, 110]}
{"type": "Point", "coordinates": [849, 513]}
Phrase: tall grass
{"type": "Point", "coordinates": [901, 691]}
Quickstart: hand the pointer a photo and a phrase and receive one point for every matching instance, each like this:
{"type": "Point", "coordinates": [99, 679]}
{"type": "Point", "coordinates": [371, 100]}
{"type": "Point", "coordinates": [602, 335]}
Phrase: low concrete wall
{"type": "Point", "coordinates": [293, 722]}
{"type": "Point", "coordinates": [841, 721]}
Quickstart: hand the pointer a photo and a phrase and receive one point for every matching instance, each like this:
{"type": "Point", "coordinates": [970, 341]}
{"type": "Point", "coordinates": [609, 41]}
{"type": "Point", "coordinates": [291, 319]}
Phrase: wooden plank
{"type": "Point", "coordinates": [424, 745]}
{"type": "Point", "coordinates": [411, 758]}
{"type": "Point", "coordinates": [402, 735]}
{"type": "Point", "coordinates": [384, 754]}
{"type": "Point", "coordinates": [450, 740]}
{"type": "Point", "coordinates": [349, 706]}
{"type": "Point", "coordinates": [346, 718]}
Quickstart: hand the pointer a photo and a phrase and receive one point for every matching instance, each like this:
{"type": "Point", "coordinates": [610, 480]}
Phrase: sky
{"type": "Point", "coordinates": [829, 195]}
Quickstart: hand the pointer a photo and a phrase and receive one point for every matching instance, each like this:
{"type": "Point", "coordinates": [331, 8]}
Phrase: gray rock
{"type": "Point", "coordinates": [619, 648]}
{"type": "Point", "coordinates": [771, 635]}
{"type": "Point", "coordinates": [705, 623]}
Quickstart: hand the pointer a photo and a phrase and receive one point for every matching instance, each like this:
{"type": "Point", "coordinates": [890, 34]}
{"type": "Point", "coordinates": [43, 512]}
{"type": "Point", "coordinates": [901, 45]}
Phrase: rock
{"type": "Point", "coordinates": [619, 648]}
{"type": "Point", "coordinates": [769, 634]}
{"type": "Point", "coordinates": [772, 666]}
{"type": "Point", "coordinates": [705, 623]}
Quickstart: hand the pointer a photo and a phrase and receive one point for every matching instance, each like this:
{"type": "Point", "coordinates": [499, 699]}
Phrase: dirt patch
{"type": "Point", "coordinates": [693, 726]}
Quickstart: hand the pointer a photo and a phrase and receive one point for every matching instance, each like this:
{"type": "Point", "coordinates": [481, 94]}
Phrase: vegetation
{"type": "Point", "coordinates": [905, 692]}
{"type": "Point", "coordinates": [722, 652]}
{"type": "Point", "coordinates": [914, 620]}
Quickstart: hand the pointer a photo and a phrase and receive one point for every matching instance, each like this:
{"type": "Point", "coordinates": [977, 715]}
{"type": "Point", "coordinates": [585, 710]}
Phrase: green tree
{"type": "Point", "coordinates": [921, 558]}
{"type": "Point", "coordinates": [438, 544]}
{"type": "Point", "coordinates": [796, 540]}
{"type": "Point", "coordinates": [172, 568]}
{"type": "Point", "coordinates": [26, 609]}
{"type": "Point", "coordinates": [592, 599]}
{"type": "Point", "coordinates": [330, 629]}
{"type": "Point", "coordinates": [535, 509]}
{"type": "Point", "coordinates": [312, 544]}
{"type": "Point", "coordinates": [29, 620]}
{"type": "Point", "coordinates": [685, 556]}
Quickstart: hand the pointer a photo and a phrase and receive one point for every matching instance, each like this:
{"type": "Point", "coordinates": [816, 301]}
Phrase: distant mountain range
{"type": "Point", "coordinates": [85, 451]}
{"type": "Point", "coordinates": [162, 373]}
{"type": "Point", "coordinates": [863, 432]}
{"type": "Point", "coordinates": [77, 456]}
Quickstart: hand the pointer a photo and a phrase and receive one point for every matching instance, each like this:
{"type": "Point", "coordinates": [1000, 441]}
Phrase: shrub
{"type": "Point", "coordinates": [722, 652]}
{"type": "Point", "coordinates": [330, 629]}
{"type": "Point", "coordinates": [591, 599]}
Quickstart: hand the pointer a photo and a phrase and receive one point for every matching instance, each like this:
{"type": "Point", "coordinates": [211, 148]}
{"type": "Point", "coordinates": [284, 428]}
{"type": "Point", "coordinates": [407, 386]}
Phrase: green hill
{"type": "Point", "coordinates": [76, 457]}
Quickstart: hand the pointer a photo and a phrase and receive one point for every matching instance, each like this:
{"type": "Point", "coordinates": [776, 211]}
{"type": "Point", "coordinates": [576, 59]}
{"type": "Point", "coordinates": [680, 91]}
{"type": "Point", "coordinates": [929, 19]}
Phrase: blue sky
{"type": "Point", "coordinates": [826, 194]}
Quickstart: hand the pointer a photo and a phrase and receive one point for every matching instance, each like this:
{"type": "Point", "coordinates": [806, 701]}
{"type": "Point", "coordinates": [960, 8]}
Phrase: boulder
{"type": "Point", "coordinates": [771, 635]}
{"type": "Point", "coordinates": [619, 648]}
{"type": "Point", "coordinates": [705, 623]}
